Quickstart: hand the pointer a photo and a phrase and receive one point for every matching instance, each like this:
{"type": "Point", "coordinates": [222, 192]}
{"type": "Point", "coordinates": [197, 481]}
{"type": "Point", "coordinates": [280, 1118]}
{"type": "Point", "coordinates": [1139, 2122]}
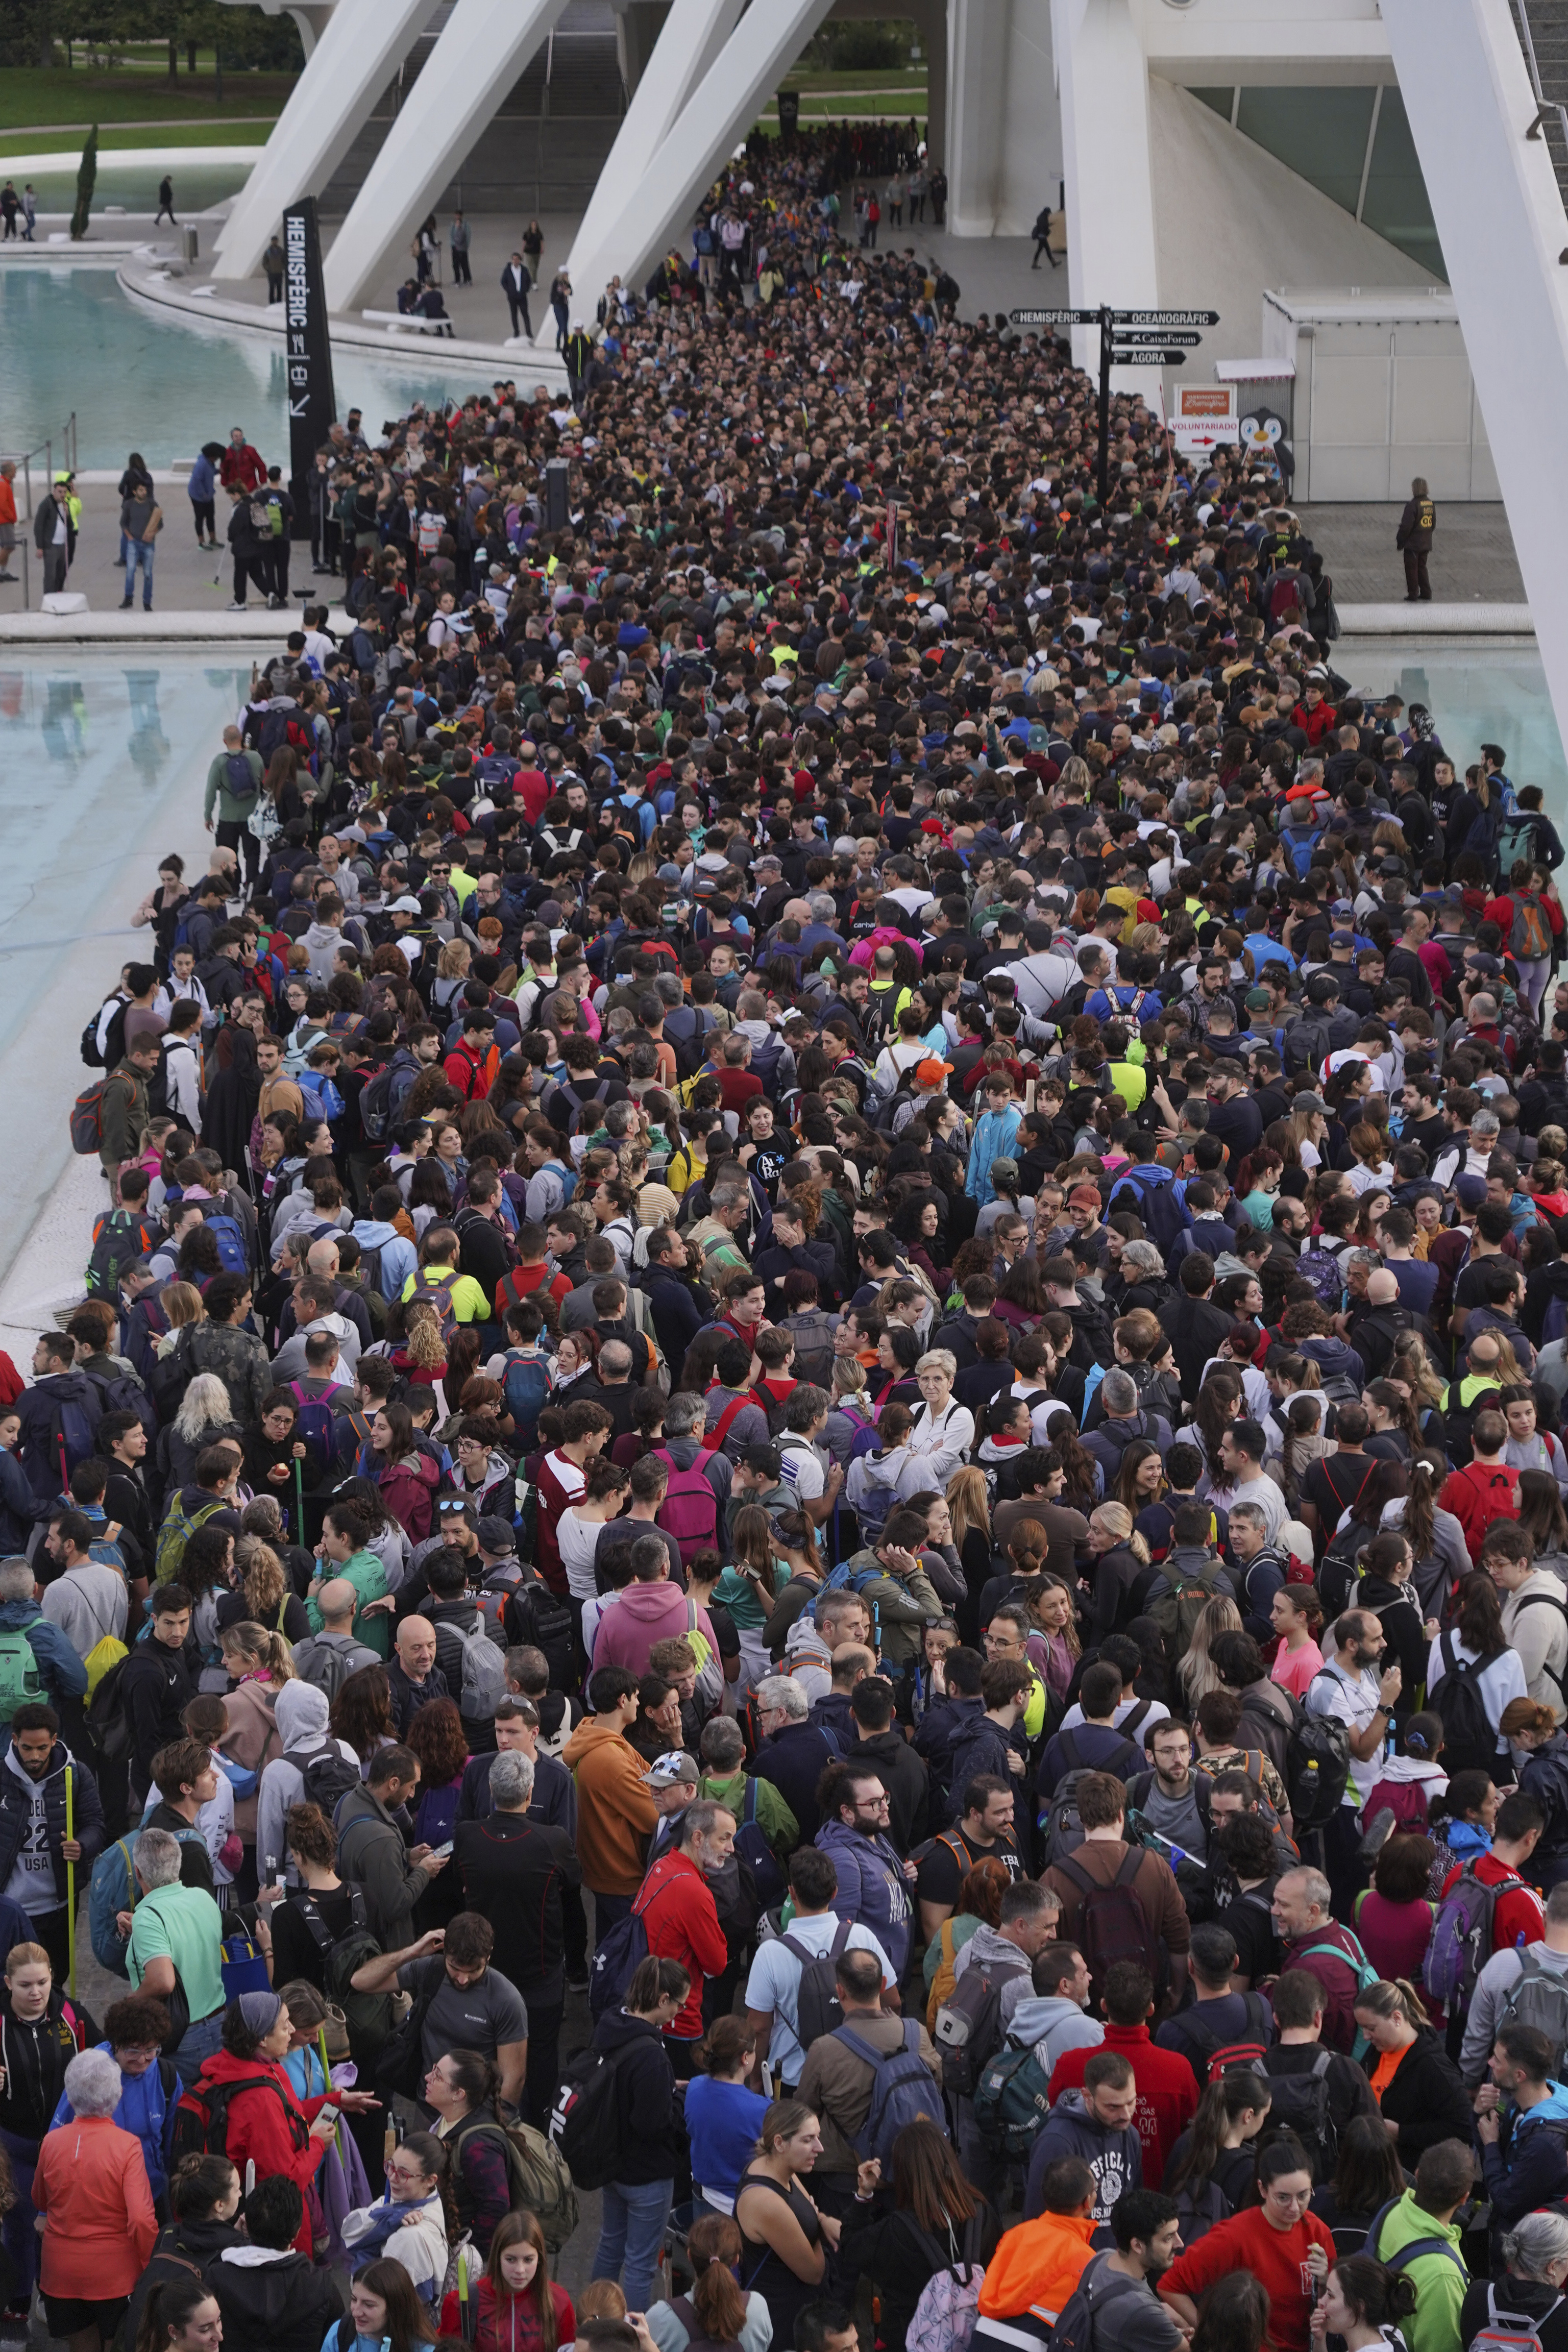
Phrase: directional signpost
{"type": "Point", "coordinates": [1127, 339]}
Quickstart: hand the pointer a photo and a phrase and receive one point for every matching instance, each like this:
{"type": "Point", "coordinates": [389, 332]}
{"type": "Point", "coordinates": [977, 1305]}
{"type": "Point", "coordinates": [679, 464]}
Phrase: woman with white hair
{"type": "Point", "coordinates": [205, 1416]}
{"type": "Point", "coordinates": [1529, 2288]}
{"type": "Point", "coordinates": [90, 2188]}
{"type": "Point", "coordinates": [944, 1432]}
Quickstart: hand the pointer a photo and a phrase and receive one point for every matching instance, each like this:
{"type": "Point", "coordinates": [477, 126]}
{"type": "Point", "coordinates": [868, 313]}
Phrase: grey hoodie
{"type": "Point", "coordinates": [1051, 2025]}
{"type": "Point", "coordinates": [301, 1713]}
{"type": "Point", "coordinates": [988, 1949]}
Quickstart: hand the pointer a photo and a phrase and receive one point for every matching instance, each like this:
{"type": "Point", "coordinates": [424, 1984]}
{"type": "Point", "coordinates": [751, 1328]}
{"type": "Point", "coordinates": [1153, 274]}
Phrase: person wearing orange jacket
{"type": "Point", "coordinates": [1037, 2267]}
{"type": "Point", "coordinates": [615, 1810]}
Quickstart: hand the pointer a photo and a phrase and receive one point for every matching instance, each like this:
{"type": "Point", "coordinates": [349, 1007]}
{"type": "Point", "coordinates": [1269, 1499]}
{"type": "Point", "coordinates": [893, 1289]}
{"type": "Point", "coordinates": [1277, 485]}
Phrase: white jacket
{"type": "Point", "coordinates": [419, 2244]}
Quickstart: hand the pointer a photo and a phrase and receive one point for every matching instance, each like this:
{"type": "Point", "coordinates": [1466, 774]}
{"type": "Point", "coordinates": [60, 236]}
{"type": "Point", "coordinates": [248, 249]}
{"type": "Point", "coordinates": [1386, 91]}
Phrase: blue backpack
{"type": "Point", "coordinates": [904, 2091]}
{"type": "Point", "coordinates": [1301, 846]}
{"type": "Point", "coordinates": [1157, 1201]}
{"type": "Point", "coordinates": [114, 1889]}
{"type": "Point", "coordinates": [229, 1235]}
{"type": "Point", "coordinates": [526, 1382]}
{"type": "Point", "coordinates": [617, 1958]}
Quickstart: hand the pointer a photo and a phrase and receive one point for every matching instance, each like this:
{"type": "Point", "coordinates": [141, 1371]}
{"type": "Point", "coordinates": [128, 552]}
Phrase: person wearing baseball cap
{"type": "Point", "coordinates": [674, 1779]}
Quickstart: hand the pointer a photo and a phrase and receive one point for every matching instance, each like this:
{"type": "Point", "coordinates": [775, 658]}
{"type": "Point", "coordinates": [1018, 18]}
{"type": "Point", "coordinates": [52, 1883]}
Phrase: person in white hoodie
{"type": "Point", "coordinates": [406, 2225]}
{"type": "Point", "coordinates": [301, 1713]}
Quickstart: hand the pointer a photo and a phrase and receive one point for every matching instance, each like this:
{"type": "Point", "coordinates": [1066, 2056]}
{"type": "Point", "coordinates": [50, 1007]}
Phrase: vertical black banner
{"type": "Point", "coordinates": [311, 403]}
{"type": "Point", "coordinates": [789, 116]}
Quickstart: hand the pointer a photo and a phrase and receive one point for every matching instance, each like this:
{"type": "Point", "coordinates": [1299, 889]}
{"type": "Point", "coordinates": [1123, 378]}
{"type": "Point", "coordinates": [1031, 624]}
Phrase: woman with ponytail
{"type": "Point", "coordinates": [718, 2306]}
{"type": "Point", "coordinates": [1362, 2304]}
{"type": "Point", "coordinates": [1209, 2170]}
{"type": "Point", "coordinates": [1437, 1551]}
{"type": "Point", "coordinates": [1414, 2082]}
{"type": "Point", "coordinates": [259, 1663]}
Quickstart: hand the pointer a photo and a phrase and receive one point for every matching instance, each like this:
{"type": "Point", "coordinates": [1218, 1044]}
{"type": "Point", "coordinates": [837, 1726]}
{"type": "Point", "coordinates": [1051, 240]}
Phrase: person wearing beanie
{"type": "Point", "coordinates": [268, 2126]}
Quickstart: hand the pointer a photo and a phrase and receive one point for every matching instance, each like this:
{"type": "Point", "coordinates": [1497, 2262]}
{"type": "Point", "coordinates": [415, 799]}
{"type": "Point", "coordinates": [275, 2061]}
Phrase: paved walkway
{"type": "Point", "coordinates": [1472, 559]}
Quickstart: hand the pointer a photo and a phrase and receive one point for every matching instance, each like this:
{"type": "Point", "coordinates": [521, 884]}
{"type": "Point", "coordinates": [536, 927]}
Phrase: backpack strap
{"type": "Point", "coordinates": [1130, 1866]}
{"type": "Point", "coordinates": [1069, 1749]}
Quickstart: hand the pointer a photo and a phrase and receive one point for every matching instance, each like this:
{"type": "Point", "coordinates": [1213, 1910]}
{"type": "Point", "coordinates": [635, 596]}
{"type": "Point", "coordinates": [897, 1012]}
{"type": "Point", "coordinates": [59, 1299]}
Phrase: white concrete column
{"type": "Point", "coordinates": [1499, 218]}
{"type": "Point", "coordinates": [484, 46]}
{"type": "Point", "coordinates": [361, 44]}
{"type": "Point", "coordinates": [693, 36]}
{"type": "Point", "coordinates": [656, 205]}
{"type": "Point", "coordinates": [977, 36]}
{"type": "Point", "coordinates": [1107, 164]}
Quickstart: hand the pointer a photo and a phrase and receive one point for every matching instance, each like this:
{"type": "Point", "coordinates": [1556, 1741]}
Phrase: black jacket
{"type": "Point", "coordinates": [154, 1690]}
{"type": "Point", "coordinates": [181, 2248]}
{"type": "Point", "coordinates": [273, 2302]}
{"type": "Point", "coordinates": [791, 1758]}
{"type": "Point", "coordinates": [515, 1870]}
{"type": "Point", "coordinates": [1426, 2099]}
{"type": "Point", "coordinates": [905, 1780]}
{"type": "Point", "coordinates": [650, 2142]}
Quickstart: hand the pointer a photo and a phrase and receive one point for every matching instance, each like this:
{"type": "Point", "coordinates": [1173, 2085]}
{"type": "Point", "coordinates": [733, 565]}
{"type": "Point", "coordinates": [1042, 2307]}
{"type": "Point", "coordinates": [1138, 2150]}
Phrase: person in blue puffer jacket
{"type": "Point", "coordinates": [873, 1882]}
{"type": "Point", "coordinates": [135, 2032]}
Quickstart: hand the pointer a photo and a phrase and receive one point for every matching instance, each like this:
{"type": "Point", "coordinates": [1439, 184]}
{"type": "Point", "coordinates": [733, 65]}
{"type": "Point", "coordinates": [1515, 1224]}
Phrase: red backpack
{"type": "Point", "coordinates": [690, 1511]}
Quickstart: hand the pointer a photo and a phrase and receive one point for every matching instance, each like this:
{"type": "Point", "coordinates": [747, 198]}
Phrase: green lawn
{"type": "Point", "coordinates": [852, 78]}
{"type": "Point", "coordinates": [120, 136]}
{"type": "Point", "coordinates": [32, 99]}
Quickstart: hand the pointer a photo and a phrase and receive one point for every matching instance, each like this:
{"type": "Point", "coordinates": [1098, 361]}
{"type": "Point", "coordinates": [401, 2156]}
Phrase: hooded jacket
{"type": "Point", "coordinates": [904, 1778]}
{"type": "Point", "coordinates": [21, 1797]}
{"type": "Point", "coordinates": [872, 1888]}
{"type": "Point", "coordinates": [1336, 1360]}
{"type": "Point", "coordinates": [62, 1408]}
{"type": "Point", "coordinates": [60, 1671]}
{"type": "Point", "coordinates": [615, 1810]}
{"type": "Point", "coordinates": [416, 2239]}
{"type": "Point", "coordinates": [793, 1758]}
{"type": "Point", "coordinates": [1527, 2165]}
{"type": "Point", "coordinates": [650, 2142]}
{"type": "Point", "coordinates": [299, 1713]}
{"type": "Point", "coordinates": [281, 2300]}
{"type": "Point", "coordinates": [1051, 2024]}
{"type": "Point", "coordinates": [645, 1614]}
{"type": "Point", "coordinates": [899, 1607]}
{"type": "Point", "coordinates": [1034, 2271]}
{"type": "Point", "coordinates": [1111, 1440]}
{"type": "Point", "coordinates": [1115, 2158]}
{"type": "Point", "coordinates": [250, 1741]}
{"type": "Point", "coordinates": [399, 1257]}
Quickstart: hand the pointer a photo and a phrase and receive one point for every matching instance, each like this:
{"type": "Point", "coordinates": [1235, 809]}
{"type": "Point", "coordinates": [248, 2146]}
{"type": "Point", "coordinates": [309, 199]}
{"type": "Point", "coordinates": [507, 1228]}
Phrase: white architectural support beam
{"type": "Point", "coordinates": [484, 46]}
{"type": "Point", "coordinates": [1112, 252]}
{"type": "Point", "coordinates": [721, 110]}
{"type": "Point", "coordinates": [977, 39]}
{"type": "Point", "coordinates": [1501, 225]}
{"type": "Point", "coordinates": [360, 46]}
{"type": "Point", "coordinates": [693, 36]}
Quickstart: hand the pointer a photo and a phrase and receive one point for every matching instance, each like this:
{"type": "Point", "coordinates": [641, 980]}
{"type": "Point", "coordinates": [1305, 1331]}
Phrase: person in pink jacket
{"type": "Point", "coordinates": [648, 1610]}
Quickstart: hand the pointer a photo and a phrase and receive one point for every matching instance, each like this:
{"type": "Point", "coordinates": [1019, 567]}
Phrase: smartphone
{"type": "Point", "coordinates": [441, 1852]}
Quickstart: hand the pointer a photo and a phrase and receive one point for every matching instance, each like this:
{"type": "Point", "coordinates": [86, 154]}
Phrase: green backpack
{"type": "Point", "coordinates": [1012, 2101]}
{"type": "Point", "coordinates": [19, 1680]}
{"type": "Point", "coordinates": [541, 2179]}
{"type": "Point", "coordinates": [175, 1533]}
{"type": "Point", "coordinates": [1177, 1613]}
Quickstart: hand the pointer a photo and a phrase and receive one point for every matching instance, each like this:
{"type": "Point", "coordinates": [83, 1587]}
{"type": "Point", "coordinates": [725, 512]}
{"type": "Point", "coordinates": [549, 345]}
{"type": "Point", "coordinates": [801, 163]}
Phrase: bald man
{"type": "Point", "coordinates": [414, 1675]}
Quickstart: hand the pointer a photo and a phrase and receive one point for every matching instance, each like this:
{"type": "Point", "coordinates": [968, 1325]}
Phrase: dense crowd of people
{"type": "Point", "coordinates": [814, 1471]}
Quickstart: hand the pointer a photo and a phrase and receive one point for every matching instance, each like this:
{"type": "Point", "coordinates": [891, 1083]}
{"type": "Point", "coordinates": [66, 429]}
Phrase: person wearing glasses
{"type": "Point", "coordinates": [1280, 2240]}
{"type": "Point", "coordinates": [407, 2225]}
{"type": "Point", "coordinates": [873, 1883]}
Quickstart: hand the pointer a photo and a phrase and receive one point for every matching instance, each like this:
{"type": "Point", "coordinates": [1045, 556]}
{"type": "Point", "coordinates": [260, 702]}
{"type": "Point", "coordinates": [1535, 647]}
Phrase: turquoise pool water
{"type": "Point", "coordinates": [1479, 692]}
{"type": "Point", "coordinates": [141, 380]}
{"type": "Point", "coordinates": [102, 766]}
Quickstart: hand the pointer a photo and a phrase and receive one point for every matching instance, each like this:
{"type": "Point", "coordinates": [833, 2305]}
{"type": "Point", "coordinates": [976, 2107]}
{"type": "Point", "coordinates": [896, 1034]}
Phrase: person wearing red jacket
{"type": "Point", "coordinates": [680, 1918]}
{"type": "Point", "coordinates": [1486, 1488]}
{"type": "Point", "coordinates": [1312, 714]}
{"type": "Point", "coordinates": [241, 464]}
{"type": "Point", "coordinates": [266, 2124]}
{"type": "Point", "coordinates": [471, 1066]}
{"type": "Point", "coordinates": [1166, 2085]}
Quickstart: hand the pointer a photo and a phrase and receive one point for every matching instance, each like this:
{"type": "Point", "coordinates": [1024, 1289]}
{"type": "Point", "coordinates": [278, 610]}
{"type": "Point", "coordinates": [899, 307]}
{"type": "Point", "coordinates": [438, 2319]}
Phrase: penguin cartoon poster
{"type": "Point", "coordinates": [1261, 435]}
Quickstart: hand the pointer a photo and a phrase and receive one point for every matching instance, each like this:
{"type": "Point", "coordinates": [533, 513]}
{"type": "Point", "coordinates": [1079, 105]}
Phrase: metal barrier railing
{"type": "Point", "coordinates": [67, 438]}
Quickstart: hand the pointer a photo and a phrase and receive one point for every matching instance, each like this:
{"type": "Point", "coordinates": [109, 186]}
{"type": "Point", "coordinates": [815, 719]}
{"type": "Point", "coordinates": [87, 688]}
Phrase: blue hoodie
{"type": "Point", "coordinates": [60, 1671]}
{"type": "Point", "coordinates": [399, 1257]}
{"type": "Point", "coordinates": [1527, 2165]}
{"type": "Point", "coordinates": [1115, 2158]}
{"type": "Point", "coordinates": [146, 2111]}
{"type": "Point", "coordinates": [872, 1888]}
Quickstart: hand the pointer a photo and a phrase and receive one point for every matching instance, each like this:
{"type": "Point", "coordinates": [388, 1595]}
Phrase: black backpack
{"type": "Point", "coordinates": [584, 2123]}
{"type": "Point", "coordinates": [1469, 1740]}
{"type": "Point", "coordinates": [1300, 2104]}
{"type": "Point", "coordinates": [817, 2008]}
{"type": "Point", "coordinates": [328, 1778]}
{"type": "Point", "coordinates": [1317, 1768]}
{"type": "Point", "coordinates": [367, 2015]}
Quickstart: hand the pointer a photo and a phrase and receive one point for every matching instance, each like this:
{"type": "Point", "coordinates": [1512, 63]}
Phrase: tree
{"type": "Point", "coordinates": [86, 179]}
